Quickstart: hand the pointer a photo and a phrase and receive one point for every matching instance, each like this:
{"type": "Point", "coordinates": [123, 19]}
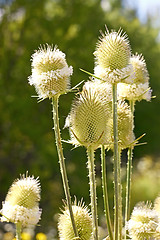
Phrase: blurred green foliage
{"type": "Point", "coordinates": [26, 136]}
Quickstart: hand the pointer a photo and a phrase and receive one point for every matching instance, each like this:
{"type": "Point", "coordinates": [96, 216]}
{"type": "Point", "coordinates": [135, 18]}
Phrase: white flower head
{"type": "Point", "coordinates": [143, 223]}
{"type": "Point", "coordinates": [134, 92]}
{"type": "Point", "coordinates": [125, 75]}
{"type": "Point", "coordinates": [22, 201]}
{"type": "Point", "coordinates": [140, 69]}
{"type": "Point", "coordinates": [50, 72]}
{"type": "Point", "coordinates": [112, 57]}
{"type": "Point", "coordinates": [102, 88]}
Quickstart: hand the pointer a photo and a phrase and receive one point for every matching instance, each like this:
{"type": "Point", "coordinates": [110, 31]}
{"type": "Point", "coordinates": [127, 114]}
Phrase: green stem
{"type": "Point", "coordinates": [120, 195]}
{"type": "Point", "coordinates": [18, 231]}
{"type": "Point", "coordinates": [129, 174]}
{"type": "Point", "coordinates": [116, 162]}
{"type": "Point", "coordinates": [62, 161]}
{"type": "Point", "coordinates": [105, 192]}
{"type": "Point", "coordinates": [92, 182]}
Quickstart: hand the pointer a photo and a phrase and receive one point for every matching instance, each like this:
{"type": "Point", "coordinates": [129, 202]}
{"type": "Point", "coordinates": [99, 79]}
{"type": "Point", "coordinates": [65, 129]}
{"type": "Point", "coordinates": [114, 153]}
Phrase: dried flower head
{"type": "Point", "coordinates": [21, 203]}
{"type": "Point", "coordinates": [112, 57]}
{"type": "Point", "coordinates": [125, 126]}
{"type": "Point", "coordinates": [83, 223]}
{"type": "Point", "coordinates": [50, 72]}
{"type": "Point", "coordinates": [87, 120]}
{"type": "Point", "coordinates": [140, 69]}
{"type": "Point", "coordinates": [143, 223]}
{"type": "Point", "coordinates": [134, 92]}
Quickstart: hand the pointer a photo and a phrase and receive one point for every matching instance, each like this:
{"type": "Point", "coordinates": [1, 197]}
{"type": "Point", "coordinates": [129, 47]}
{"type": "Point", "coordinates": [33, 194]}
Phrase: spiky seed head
{"type": "Point", "coordinates": [141, 75]}
{"type": "Point", "coordinates": [113, 50]}
{"type": "Point", "coordinates": [50, 72]}
{"type": "Point", "coordinates": [125, 126]}
{"type": "Point", "coordinates": [83, 221]}
{"type": "Point", "coordinates": [87, 120]}
{"type": "Point", "coordinates": [24, 192]}
{"type": "Point", "coordinates": [22, 200]}
{"type": "Point", "coordinates": [134, 92]}
{"type": "Point", "coordinates": [143, 223]}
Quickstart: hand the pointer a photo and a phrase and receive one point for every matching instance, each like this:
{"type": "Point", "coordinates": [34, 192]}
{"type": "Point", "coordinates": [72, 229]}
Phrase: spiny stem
{"type": "Point", "coordinates": [92, 182]}
{"type": "Point", "coordinates": [116, 162]}
{"type": "Point", "coordinates": [120, 222]}
{"type": "Point", "coordinates": [129, 174]}
{"type": "Point", "coordinates": [18, 231]}
{"type": "Point", "coordinates": [105, 192]}
{"type": "Point", "coordinates": [62, 161]}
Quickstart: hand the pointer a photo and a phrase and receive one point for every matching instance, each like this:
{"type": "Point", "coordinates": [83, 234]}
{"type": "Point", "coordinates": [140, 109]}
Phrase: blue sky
{"type": "Point", "coordinates": [145, 7]}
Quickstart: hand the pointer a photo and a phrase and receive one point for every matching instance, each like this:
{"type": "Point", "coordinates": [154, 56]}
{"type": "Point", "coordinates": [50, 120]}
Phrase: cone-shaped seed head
{"type": "Point", "coordinates": [50, 72]}
{"type": "Point", "coordinates": [24, 192]}
{"type": "Point", "coordinates": [113, 51]}
{"type": "Point", "coordinates": [143, 223]}
{"type": "Point", "coordinates": [88, 119]}
{"type": "Point", "coordinates": [139, 67]}
{"type": "Point", "coordinates": [21, 203]}
{"type": "Point", "coordinates": [125, 126]}
{"type": "Point", "coordinates": [83, 223]}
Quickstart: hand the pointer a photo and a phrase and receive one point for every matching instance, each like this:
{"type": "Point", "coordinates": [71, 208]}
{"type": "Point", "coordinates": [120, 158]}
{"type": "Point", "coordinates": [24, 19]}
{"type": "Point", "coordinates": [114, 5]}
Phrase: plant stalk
{"type": "Point", "coordinates": [116, 163]}
{"type": "Point", "coordinates": [105, 192]}
{"type": "Point", "coordinates": [62, 161]}
{"type": "Point", "coordinates": [129, 175]}
{"type": "Point", "coordinates": [18, 231]}
{"type": "Point", "coordinates": [92, 182]}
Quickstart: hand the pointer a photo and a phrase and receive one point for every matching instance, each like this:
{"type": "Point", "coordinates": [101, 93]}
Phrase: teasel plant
{"type": "Point", "coordinates": [87, 123]}
{"type": "Point", "coordinates": [112, 57]}
{"type": "Point", "coordinates": [21, 205]}
{"type": "Point", "coordinates": [51, 78]}
{"type": "Point", "coordinates": [137, 91]}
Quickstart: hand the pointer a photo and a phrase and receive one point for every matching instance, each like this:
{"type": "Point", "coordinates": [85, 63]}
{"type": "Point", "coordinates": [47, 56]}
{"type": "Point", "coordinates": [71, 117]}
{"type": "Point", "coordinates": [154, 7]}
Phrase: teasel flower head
{"type": "Point", "coordinates": [143, 223]}
{"type": "Point", "coordinates": [141, 75]}
{"type": "Point", "coordinates": [125, 126]}
{"type": "Point", "coordinates": [50, 72]}
{"type": "Point", "coordinates": [134, 92]}
{"type": "Point", "coordinates": [83, 221]}
{"type": "Point", "coordinates": [112, 57]}
{"type": "Point", "coordinates": [87, 120]}
{"type": "Point", "coordinates": [22, 202]}
{"type": "Point", "coordinates": [101, 88]}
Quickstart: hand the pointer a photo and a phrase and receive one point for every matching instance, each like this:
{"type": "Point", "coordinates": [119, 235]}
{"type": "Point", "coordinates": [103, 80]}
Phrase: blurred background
{"type": "Point", "coordinates": [26, 135]}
